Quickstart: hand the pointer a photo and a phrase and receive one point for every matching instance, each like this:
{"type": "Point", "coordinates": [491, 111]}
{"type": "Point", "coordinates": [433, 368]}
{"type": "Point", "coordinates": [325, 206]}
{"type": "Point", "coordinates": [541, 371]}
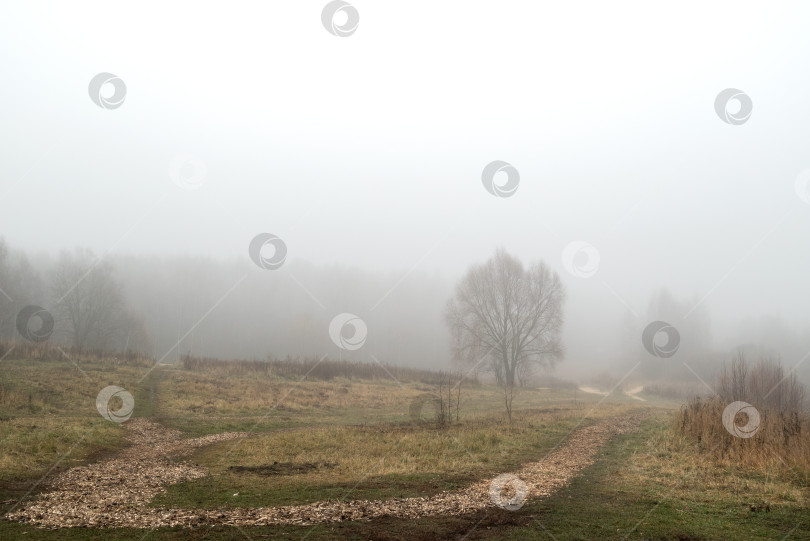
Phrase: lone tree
{"type": "Point", "coordinates": [509, 317]}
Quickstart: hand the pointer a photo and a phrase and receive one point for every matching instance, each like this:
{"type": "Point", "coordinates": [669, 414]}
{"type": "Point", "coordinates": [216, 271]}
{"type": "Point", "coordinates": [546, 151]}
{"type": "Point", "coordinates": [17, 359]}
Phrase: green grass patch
{"type": "Point", "coordinates": [363, 462]}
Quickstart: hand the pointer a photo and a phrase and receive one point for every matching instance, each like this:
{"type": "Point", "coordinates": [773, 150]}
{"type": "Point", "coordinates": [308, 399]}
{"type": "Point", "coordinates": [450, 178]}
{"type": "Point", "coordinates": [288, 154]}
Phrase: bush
{"type": "Point", "coordinates": [781, 437]}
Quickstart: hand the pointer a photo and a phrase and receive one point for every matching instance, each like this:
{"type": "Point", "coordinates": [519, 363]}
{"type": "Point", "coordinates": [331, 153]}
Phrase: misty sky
{"type": "Point", "coordinates": [367, 151]}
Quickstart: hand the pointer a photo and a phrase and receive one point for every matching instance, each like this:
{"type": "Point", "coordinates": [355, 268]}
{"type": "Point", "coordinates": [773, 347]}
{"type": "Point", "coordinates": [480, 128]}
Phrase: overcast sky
{"type": "Point", "coordinates": [368, 150]}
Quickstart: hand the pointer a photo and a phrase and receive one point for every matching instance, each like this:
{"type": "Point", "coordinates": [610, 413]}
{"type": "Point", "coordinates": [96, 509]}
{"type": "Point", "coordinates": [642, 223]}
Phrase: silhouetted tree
{"type": "Point", "coordinates": [509, 317]}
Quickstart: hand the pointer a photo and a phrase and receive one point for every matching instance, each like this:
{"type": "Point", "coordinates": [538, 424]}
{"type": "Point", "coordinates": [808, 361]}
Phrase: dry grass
{"type": "Point", "coordinates": [48, 412]}
{"type": "Point", "coordinates": [48, 351]}
{"type": "Point", "coordinates": [314, 370]}
{"type": "Point", "coordinates": [395, 450]}
{"type": "Point", "coordinates": [467, 446]}
{"type": "Point", "coordinates": [193, 392]}
{"type": "Point", "coordinates": [31, 445]}
{"type": "Point", "coordinates": [198, 402]}
{"type": "Point", "coordinates": [376, 462]}
{"type": "Point", "coordinates": [59, 387]}
{"type": "Point", "coordinates": [658, 484]}
{"type": "Point", "coordinates": [669, 460]}
{"type": "Point", "coordinates": [291, 393]}
{"type": "Point", "coordinates": [782, 441]}
{"type": "Point", "coordinates": [46, 406]}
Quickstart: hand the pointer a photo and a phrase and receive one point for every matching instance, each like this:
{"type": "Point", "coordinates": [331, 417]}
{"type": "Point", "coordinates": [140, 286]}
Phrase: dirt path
{"type": "Point", "coordinates": [591, 390]}
{"type": "Point", "coordinates": [116, 492]}
{"type": "Point", "coordinates": [633, 393]}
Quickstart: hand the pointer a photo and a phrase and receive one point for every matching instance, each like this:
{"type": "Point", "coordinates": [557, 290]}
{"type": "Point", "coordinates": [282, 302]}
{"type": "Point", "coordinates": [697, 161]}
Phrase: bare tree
{"type": "Point", "coordinates": [88, 300]}
{"type": "Point", "coordinates": [448, 397]}
{"type": "Point", "coordinates": [509, 317]}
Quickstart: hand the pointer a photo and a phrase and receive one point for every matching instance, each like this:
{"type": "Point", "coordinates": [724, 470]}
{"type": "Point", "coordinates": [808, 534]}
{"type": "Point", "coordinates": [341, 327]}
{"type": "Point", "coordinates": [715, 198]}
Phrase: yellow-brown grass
{"type": "Point", "coordinates": [314, 369]}
{"type": "Point", "coordinates": [34, 445]}
{"type": "Point", "coordinates": [669, 462]}
{"type": "Point", "coordinates": [782, 440]}
{"type": "Point", "coordinates": [49, 351]}
{"type": "Point", "coordinates": [376, 462]}
{"type": "Point", "coordinates": [48, 413]}
{"type": "Point", "coordinates": [191, 392]}
{"type": "Point", "coordinates": [402, 449]}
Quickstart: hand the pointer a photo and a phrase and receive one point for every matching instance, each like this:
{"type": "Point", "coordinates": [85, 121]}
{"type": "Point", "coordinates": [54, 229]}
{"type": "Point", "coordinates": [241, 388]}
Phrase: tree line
{"type": "Point", "coordinates": [172, 306]}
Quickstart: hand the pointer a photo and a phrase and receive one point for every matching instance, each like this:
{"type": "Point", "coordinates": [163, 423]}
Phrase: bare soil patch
{"type": "Point", "coordinates": [283, 468]}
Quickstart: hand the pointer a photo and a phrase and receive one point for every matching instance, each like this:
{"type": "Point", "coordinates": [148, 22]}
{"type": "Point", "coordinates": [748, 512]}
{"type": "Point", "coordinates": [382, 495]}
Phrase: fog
{"type": "Point", "coordinates": [365, 156]}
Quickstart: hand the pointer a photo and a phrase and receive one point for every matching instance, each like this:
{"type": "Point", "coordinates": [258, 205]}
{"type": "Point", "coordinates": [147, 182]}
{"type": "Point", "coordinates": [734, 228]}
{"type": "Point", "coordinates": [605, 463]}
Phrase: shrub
{"type": "Point", "coordinates": [781, 438]}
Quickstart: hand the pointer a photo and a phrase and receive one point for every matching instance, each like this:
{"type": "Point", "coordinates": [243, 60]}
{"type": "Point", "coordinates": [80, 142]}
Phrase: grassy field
{"type": "Point", "coordinates": [367, 462]}
{"type": "Point", "coordinates": [48, 412]}
{"type": "Point", "coordinates": [350, 438]}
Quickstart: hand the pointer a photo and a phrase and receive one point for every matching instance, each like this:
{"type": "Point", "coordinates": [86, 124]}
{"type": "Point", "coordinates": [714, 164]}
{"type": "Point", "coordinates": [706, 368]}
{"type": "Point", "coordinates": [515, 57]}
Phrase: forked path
{"type": "Point", "coordinates": [116, 492]}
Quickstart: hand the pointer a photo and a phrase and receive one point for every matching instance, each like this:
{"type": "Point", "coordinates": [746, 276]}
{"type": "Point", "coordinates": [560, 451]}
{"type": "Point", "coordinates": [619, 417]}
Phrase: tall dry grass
{"type": "Point", "coordinates": [781, 440]}
{"type": "Point", "coordinates": [50, 351]}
